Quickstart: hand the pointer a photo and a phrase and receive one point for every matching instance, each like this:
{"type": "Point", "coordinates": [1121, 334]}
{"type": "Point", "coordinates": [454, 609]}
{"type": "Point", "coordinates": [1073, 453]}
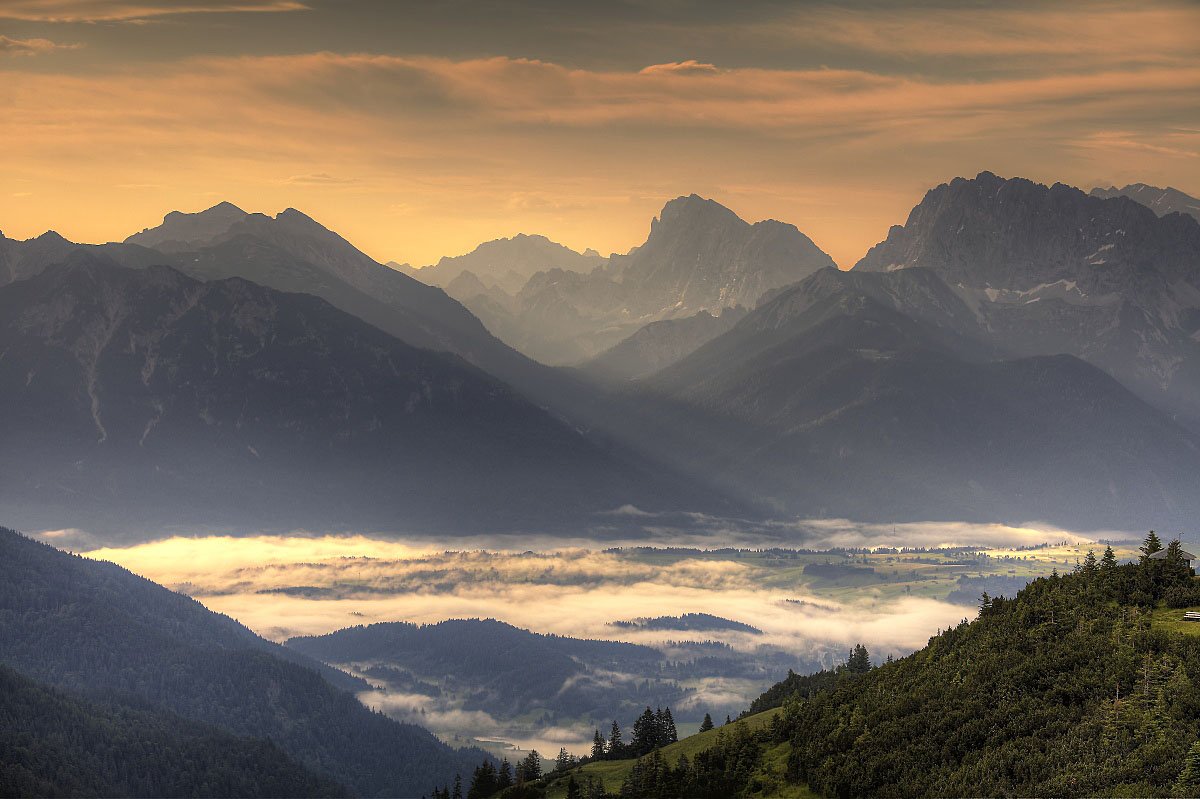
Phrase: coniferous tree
{"type": "Point", "coordinates": [504, 777]}
{"type": "Point", "coordinates": [530, 767]}
{"type": "Point", "coordinates": [1151, 545]}
{"type": "Point", "coordinates": [645, 733]}
{"type": "Point", "coordinates": [859, 661]}
{"type": "Point", "coordinates": [707, 724]}
{"type": "Point", "coordinates": [1188, 783]}
{"type": "Point", "coordinates": [727, 719]}
{"type": "Point", "coordinates": [573, 791]}
{"type": "Point", "coordinates": [483, 782]}
{"type": "Point", "coordinates": [597, 746]}
{"type": "Point", "coordinates": [616, 746]}
{"type": "Point", "coordinates": [457, 792]}
{"type": "Point", "coordinates": [669, 734]}
{"type": "Point", "coordinates": [1109, 561]}
{"type": "Point", "coordinates": [564, 760]}
{"type": "Point", "coordinates": [1090, 568]}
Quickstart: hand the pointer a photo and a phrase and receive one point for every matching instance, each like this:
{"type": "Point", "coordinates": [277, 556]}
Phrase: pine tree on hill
{"type": "Point", "coordinates": [668, 732]}
{"type": "Point", "coordinates": [1109, 561]}
{"type": "Point", "coordinates": [1151, 545]}
{"type": "Point", "coordinates": [504, 778]}
{"type": "Point", "coordinates": [859, 661]}
{"type": "Point", "coordinates": [707, 724]}
{"type": "Point", "coordinates": [1089, 568]}
{"type": "Point", "coordinates": [616, 746]}
{"type": "Point", "coordinates": [597, 746]}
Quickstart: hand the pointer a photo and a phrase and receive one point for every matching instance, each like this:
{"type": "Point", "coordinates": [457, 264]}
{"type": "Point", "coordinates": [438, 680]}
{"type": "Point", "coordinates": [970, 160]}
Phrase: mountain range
{"type": "Point", "coordinates": [515, 675]}
{"type": "Point", "coordinates": [1014, 351]}
{"type": "Point", "coordinates": [143, 397]}
{"type": "Point", "coordinates": [1161, 201]}
{"type": "Point", "coordinates": [699, 257]}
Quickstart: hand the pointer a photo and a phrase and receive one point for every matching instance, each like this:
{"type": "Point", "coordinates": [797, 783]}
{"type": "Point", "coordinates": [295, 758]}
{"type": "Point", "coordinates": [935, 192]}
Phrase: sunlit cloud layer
{"type": "Point", "coordinates": [415, 153]}
{"type": "Point", "coordinates": [283, 586]}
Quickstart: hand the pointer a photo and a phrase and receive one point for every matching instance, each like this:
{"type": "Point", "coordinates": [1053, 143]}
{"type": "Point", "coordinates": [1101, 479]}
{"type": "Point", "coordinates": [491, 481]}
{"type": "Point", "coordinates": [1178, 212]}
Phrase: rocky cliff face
{"type": "Point", "coordinates": [699, 256]}
{"type": "Point", "coordinates": [1051, 270]}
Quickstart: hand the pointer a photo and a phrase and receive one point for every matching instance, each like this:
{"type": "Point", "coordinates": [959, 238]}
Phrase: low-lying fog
{"type": "Point", "coordinates": [311, 584]}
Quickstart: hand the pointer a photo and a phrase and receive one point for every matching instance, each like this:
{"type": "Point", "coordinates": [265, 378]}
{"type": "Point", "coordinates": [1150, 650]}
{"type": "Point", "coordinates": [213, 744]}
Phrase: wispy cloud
{"type": "Point", "coordinates": [689, 67]}
{"type": "Point", "coordinates": [1083, 34]}
{"type": "Point", "coordinates": [320, 179]}
{"type": "Point", "coordinates": [124, 11]}
{"type": "Point", "coordinates": [32, 47]}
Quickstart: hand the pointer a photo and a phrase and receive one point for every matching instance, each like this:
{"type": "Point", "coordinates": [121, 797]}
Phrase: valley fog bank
{"type": "Point", "coordinates": [769, 605]}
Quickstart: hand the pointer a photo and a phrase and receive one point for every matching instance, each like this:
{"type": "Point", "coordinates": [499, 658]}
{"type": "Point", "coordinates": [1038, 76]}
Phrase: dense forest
{"type": "Point", "coordinates": [1066, 689]}
{"type": "Point", "coordinates": [53, 744]}
{"type": "Point", "coordinates": [98, 631]}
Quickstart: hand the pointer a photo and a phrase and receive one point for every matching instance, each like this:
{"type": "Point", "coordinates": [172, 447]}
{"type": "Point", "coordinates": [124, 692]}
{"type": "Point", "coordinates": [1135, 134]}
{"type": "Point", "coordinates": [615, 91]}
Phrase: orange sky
{"type": "Point", "coordinates": [418, 136]}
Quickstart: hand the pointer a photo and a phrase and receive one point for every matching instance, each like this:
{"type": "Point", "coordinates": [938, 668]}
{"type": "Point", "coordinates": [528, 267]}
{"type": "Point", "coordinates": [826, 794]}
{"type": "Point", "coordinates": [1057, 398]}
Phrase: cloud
{"type": "Point", "coordinates": [319, 179]}
{"type": "Point", "coordinates": [474, 148]}
{"type": "Point", "coordinates": [689, 67]}
{"type": "Point", "coordinates": [1082, 34]}
{"type": "Point", "coordinates": [124, 11]}
{"type": "Point", "coordinates": [31, 47]}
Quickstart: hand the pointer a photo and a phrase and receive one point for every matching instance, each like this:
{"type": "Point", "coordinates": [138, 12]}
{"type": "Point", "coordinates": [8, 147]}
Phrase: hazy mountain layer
{"type": "Point", "coordinates": [872, 396]}
{"type": "Point", "coordinates": [1161, 201]}
{"type": "Point", "coordinates": [699, 256]}
{"type": "Point", "coordinates": [660, 344]}
{"type": "Point", "coordinates": [143, 397]}
{"type": "Point", "coordinates": [506, 264]}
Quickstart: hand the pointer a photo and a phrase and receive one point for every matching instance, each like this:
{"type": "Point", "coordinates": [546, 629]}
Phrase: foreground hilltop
{"type": "Point", "coordinates": [1080, 685]}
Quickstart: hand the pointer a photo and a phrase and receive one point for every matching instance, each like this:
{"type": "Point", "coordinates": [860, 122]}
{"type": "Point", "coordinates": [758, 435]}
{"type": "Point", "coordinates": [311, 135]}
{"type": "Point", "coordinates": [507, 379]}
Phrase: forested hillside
{"type": "Point", "coordinates": [52, 744]}
{"type": "Point", "coordinates": [95, 629]}
{"type": "Point", "coordinates": [1078, 686]}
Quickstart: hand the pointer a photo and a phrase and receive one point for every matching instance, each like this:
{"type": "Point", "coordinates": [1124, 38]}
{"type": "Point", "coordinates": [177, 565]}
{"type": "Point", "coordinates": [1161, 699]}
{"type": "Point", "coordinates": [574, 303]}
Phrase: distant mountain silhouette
{"type": "Point", "coordinates": [507, 263]}
{"type": "Point", "coordinates": [144, 397]}
{"type": "Point", "coordinates": [699, 256]}
{"type": "Point", "coordinates": [660, 344]}
{"type": "Point", "coordinates": [1161, 201]}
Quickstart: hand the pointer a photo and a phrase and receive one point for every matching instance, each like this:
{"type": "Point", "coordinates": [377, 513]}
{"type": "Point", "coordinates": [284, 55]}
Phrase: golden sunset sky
{"type": "Point", "coordinates": [420, 129]}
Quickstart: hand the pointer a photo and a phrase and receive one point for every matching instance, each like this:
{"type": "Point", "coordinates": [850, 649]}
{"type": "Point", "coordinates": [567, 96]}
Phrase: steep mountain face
{"type": "Point", "coordinates": [1161, 201]}
{"type": "Point", "coordinates": [508, 263]}
{"type": "Point", "coordinates": [699, 257]}
{"type": "Point", "coordinates": [877, 396]}
{"type": "Point", "coordinates": [292, 252]}
{"type": "Point", "coordinates": [660, 344]}
{"type": "Point", "coordinates": [145, 397]}
{"type": "Point", "coordinates": [1051, 270]}
{"type": "Point", "coordinates": [94, 628]}
{"type": "Point", "coordinates": [54, 744]}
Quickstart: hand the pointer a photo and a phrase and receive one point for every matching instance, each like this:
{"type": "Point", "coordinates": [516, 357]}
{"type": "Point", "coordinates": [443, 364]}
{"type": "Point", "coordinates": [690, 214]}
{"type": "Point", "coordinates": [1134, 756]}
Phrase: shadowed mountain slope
{"type": "Point", "coordinates": [95, 629]}
{"type": "Point", "coordinates": [144, 397]}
